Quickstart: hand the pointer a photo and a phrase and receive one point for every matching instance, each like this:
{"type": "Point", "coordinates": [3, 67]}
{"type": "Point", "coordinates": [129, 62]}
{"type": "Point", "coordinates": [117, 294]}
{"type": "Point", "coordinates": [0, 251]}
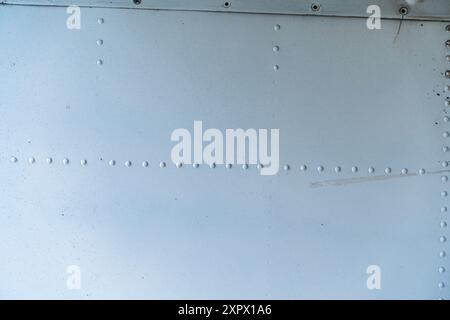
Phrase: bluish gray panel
{"type": "Point", "coordinates": [342, 96]}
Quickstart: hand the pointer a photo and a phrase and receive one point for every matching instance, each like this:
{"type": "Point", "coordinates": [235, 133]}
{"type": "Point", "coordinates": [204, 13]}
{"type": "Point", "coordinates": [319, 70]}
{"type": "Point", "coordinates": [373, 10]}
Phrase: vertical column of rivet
{"type": "Point", "coordinates": [276, 48]}
{"type": "Point", "coordinates": [99, 41]}
{"type": "Point", "coordinates": [444, 178]}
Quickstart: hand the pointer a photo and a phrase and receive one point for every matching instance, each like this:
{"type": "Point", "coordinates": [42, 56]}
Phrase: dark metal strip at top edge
{"type": "Point", "coordinates": [434, 10]}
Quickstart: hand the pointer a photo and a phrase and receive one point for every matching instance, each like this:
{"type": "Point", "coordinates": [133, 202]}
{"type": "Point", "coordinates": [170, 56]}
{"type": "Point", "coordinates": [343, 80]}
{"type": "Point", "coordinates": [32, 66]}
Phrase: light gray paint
{"type": "Point", "coordinates": [343, 96]}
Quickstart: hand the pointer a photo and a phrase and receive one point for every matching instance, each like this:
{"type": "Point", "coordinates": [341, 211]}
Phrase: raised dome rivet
{"type": "Point", "coordinates": [31, 160]}
{"type": "Point", "coordinates": [441, 269]}
{"type": "Point", "coordinates": [99, 42]}
{"type": "Point", "coordinates": [355, 169]}
{"type": "Point", "coordinates": [228, 166]}
{"type": "Point", "coordinates": [286, 167]}
{"type": "Point", "coordinates": [212, 165]}
{"type": "Point", "coordinates": [303, 167]}
{"type": "Point", "coordinates": [446, 134]}
{"type": "Point", "coordinates": [49, 160]}
{"type": "Point", "coordinates": [447, 88]}
{"type": "Point", "coordinates": [65, 161]}
{"type": "Point", "coordinates": [100, 20]}
{"type": "Point", "coordinates": [99, 62]}
{"type": "Point", "coordinates": [14, 159]}
{"type": "Point", "coordinates": [443, 239]}
{"type": "Point", "coordinates": [337, 169]}
{"type": "Point", "coordinates": [447, 28]}
{"type": "Point", "coordinates": [276, 67]}
{"type": "Point", "coordinates": [387, 170]}
{"type": "Point", "coordinates": [441, 285]}
{"type": "Point", "coordinates": [162, 165]}
{"type": "Point", "coordinates": [443, 209]}
{"type": "Point", "coordinates": [444, 178]}
{"type": "Point", "coordinates": [245, 166]}
{"type": "Point", "coordinates": [442, 254]}
{"type": "Point", "coordinates": [145, 164]}
{"type": "Point", "coordinates": [422, 172]}
{"type": "Point", "coordinates": [276, 48]}
{"type": "Point", "coordinates": [446, 119]}
{"type": "Point", "coordinates": [179, 165]}
{"type": "Point", "coordinates": [445, 149]}
{"type": "Point", "coordinates": [276, 27]}
{"type": "Point", "coordinates": [443, 224]}
{"type": "Point", "coordinates": [446, 103]}
{"type": "Point", "coordinates": [259, 166]}
{"type": "Point", "coordinates": [444, 193]}
{"type": "Point", "coordinates": [320, 168]}
{"type": "Point", "coordinates": [371, 170]}
{"type": "Point", "coordinates": [447, 43]}
{"type": "Point", "coordinates": [112, 163]}
{"type": "Point", "coordinates": [83, 162]}
{"type": "Point", "coordinates": [444, 164]}
{"type": "Point", "coordinates": [447, 74]}
{"type": "Point", "coordinates": [448, 58]}
{"type": "Point", "coordinates": [195, 165]}
{"type": "Point", "coordinates": [128, 163]}
{"type": "Point", "coordinates": [404, 171]}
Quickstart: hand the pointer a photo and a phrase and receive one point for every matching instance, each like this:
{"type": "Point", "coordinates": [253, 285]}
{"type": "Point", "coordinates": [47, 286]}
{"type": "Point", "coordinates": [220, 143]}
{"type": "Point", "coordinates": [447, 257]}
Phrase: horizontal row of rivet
{"type": "Point", "coordinates": [287, 167]}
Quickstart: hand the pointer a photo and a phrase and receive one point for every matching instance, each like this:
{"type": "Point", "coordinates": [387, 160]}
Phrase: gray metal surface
{"type": "Point", "coordinates": [342, 96]}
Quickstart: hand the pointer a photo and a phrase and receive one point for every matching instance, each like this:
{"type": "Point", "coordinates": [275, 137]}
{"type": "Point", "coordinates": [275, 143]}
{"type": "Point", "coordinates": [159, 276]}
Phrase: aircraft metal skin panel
{"type": "Point", "coordinates": [86, 122]}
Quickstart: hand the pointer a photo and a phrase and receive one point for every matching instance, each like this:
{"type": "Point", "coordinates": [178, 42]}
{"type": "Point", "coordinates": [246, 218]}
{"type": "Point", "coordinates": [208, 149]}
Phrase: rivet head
{"type": "Point", "coordinates": [145, 164]}
{"type": "Point", "coordinates": [446, 119]}
{"type": "Point", "coordinates": [337, 169]}
{"type": "Point", "coordinates": [212, 165]}
{"type": "Point", "coordinates": [371, 170]}
{"type": "Point", "coordinates": [442, 254]}
{"type": "Point", "coordinates": [259, 166]}
{"type": "Point", "coordinates": [447, 43]}
{"type": "Point", "coordinates": [162, 164]}
{"type": "Point", "coordinates": [195, 165]}
{"type": "Point", "coordinates": [99, 62]}
{"type": "Point", "coordinates": [422, 171]}
{"type": "Point", "coordinates": [447, 88]}
{"type": "Point", "coordinates": [276, 67]}
{"type": "Point", "coordinates": [444, 164]}
{"type": "Point", "coordinates": [443, 224]}
{"type": "Point", "coordinates": [355, 169]}
{"type": "Point", "coordinates": [447, 28]}
{"type": "Point", "coordinates": [83, 162]}
{"type": "Point", "coordinates": [14, 159]}
{"type": "Point", "coordinates": [179, 165]}
{"type": "Point", "coordinates": [112, 163]}
{"type": "Point", "coordinates": [441, 269]}
{"type": "Point", "coordinates": [444, 193]}
{"type": "Point", "coordinates": [447, 74]}
{"type": "Point", "coordinates": [448, 58]}
{"type": "Point", "coordinates": [446, 103]}
{"type": "Point", "coordinates": [446, 134]}
{"type": "Point", "coordinates": [99, 42]}
{"type": "Point", "coordinates": [320, 168]}
{"type": "Point", "coordinates": [100, 20]}
{"type": "Point", "coordinates": [31, 160]}
{"type": "Point", "coordinates": [276, 27]}
{"type": "Point", "coordinates": [276, 48]}
{"type": "Point", "coordinates": [387, 170]}
{"type": "Point", "coordinates": [49, 160]}
{"type": "Point", "coordinates": [245, 166]}
{"type": "Point", "coordinates": [128, 163]}
{"type": "Point", "coordinates": [445, 149]}
{"type": "Point", "coordinates": [228, 166]}
{"type": "Point", "coordinates": [303, 167]}
{"type": "Point", "coordinates": [443, 209]}
{"type": "Point", "coordinates": [443, 239]}
{"type": "Point", "coordinates": [286, 167]}
{"type": "Point", "coordinates": [404, 171]}
{"type": "Point", "coordinates": [65, 161]}
{"type": "Point", "coordinates": [444, 178]}
{"type": "Point", "coordinates": [441, 285]}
